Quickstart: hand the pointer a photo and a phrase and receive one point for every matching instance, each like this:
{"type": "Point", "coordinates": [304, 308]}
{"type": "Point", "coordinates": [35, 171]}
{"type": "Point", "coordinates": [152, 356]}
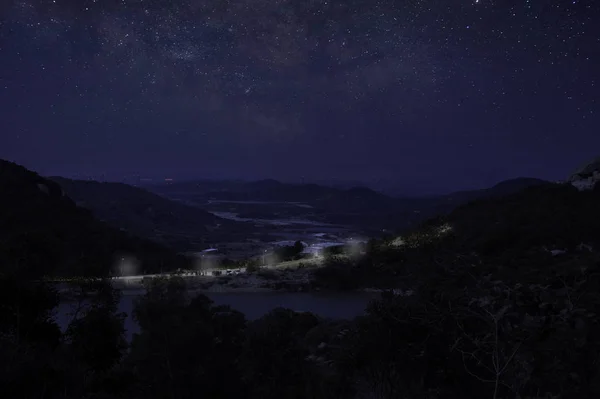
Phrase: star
{"type": "Point", "coordinates": [260, 74]}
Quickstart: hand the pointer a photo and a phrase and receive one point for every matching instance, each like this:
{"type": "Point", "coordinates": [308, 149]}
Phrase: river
{"type": "Point", "coordinates": [253, 305]}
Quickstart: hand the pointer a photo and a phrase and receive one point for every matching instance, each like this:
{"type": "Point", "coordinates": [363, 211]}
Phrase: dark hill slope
{"type": "Point", "coordinates": [552, 215]}
{"type": "Point", "coordinates": [516, 233]}
{"type": "Point", "coordinates": [149, 215]}
{"type": "Point", "coordinates": [358, 206]}
{"type": "Point", "coordinates": [501, 189]}
{"type": "Point", "coordinates": [43, 232]}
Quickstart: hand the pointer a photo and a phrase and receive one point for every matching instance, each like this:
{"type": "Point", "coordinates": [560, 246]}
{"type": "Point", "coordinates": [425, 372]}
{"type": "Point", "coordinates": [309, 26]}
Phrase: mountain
{"type": "Point", "coordinates": [503, 188]}
{"type": "Point", "coordinates": [196, 187]}
{"type": "Point", "coordinates": [544, 229]}
{"type": "Point", "coordinates": [275, 191]}
{"type": "Point", "coordinates": [448, 202]}
{"type": "Point", "coordinates": [409, 212]}
{"type": "Point", "coordinates": [586, 177]}
{"type": "Point", "coordinates": [149, 215]}
{"type": "Point", "coordinates": [359, 207]}
{"type": "Point", "coordinates": [45, 233]}
{"type": "Point", "coordinates": [552, 215]}
{"type": "Point", "coordinates": [272, 191]}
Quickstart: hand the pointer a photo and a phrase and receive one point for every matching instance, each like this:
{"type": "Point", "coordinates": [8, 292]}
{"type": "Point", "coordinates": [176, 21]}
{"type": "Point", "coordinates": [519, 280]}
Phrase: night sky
{"type": "Point", "coordinates": [433, 94]}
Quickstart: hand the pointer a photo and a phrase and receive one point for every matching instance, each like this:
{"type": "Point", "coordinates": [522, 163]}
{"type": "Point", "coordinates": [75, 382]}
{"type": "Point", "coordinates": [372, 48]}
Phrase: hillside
{"type": "Point", "coordinates": [149, 215]}
{"type": "Point", "coordinates": [503, 293]}
{"type": "Point", "coordinates": [501, 189]}
{"type": "Point", "coordinates": [45, 233]}
{"type": "Point", "coordinates": [519, 230]}
{"type": "Point", "coordinates": [442, 204]}
{"type": "Point", "coordinates": [553, 215]}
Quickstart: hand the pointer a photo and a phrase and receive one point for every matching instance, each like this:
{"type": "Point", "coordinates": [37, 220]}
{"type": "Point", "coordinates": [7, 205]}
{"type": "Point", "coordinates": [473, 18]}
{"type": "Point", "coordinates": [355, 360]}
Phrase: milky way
{"type": "Point", "coordinates": [351, 85]}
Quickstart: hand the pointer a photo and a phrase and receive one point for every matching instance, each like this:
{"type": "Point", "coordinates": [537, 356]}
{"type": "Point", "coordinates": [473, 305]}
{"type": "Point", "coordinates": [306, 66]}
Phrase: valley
{"type": "Point", "coordinates": [123, 272]}
{"type": "Point", "coordinates": [272, 211]}
{"type": "Point", "coordinates": [299, 199]}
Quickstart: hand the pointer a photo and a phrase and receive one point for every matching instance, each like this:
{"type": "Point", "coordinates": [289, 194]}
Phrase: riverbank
{"type": "Point", "coordinates": [292, 276]}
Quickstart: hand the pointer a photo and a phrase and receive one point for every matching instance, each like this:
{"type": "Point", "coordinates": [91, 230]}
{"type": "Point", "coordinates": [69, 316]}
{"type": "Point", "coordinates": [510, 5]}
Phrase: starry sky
{"type": "Point", "coordinates": [433, 95]}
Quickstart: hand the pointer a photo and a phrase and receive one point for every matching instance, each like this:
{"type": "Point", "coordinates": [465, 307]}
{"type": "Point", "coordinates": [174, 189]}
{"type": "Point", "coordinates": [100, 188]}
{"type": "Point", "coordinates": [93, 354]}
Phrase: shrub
{"type": "Point", "coordinates": [252, 267]}
{"type": "Point", "coordinates": [267, 274]}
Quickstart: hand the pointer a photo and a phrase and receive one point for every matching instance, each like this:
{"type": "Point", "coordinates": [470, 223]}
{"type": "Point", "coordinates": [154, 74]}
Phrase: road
{"type": "Point", "coordinates": [209, 272]}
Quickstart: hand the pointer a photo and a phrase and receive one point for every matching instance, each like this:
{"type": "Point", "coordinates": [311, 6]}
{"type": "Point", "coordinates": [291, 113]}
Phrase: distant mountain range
{"type": "Point", "coordinates": [358, 206]}
{"type": "Point", "coordinates": [43, 232]}
{"type": "Point", "coordinates": [67, 227]}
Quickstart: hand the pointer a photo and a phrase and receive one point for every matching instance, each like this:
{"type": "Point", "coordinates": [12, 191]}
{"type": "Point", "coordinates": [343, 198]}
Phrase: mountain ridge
{"type": "Point", "coordinates": [44, 232]}
{"type": "Point", "coordinates": [148, 214]}
{"type": "Point", "coordinates": [358, 206]}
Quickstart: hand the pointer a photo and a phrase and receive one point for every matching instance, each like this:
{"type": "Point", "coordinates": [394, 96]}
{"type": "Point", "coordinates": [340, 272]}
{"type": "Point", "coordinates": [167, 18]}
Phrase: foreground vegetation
{"type": "Point", "coordinates": [498, 299]}
{"type": "Point", "coordinates": [464, 331]}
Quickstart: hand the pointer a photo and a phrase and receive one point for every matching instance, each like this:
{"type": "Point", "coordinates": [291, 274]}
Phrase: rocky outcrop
{"type": "Point", "coordinates": [586, 177]}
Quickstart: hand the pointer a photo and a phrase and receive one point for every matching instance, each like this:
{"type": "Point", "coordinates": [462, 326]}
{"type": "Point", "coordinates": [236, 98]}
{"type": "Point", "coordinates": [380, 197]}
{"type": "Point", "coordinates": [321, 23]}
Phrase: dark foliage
{"type": "Point", "coordinates": [38, 361]}
{"type": "Point", "coordinates": [285, 373]}
{"type": "Point", "coordinates": [186, 347]}
{"type": "Point", "coordinates": [289, 252]}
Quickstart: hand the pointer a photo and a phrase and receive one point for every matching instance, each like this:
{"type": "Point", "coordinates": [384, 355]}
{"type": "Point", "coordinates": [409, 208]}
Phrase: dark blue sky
{"type": "Point", "coordinates": [436, 95]}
